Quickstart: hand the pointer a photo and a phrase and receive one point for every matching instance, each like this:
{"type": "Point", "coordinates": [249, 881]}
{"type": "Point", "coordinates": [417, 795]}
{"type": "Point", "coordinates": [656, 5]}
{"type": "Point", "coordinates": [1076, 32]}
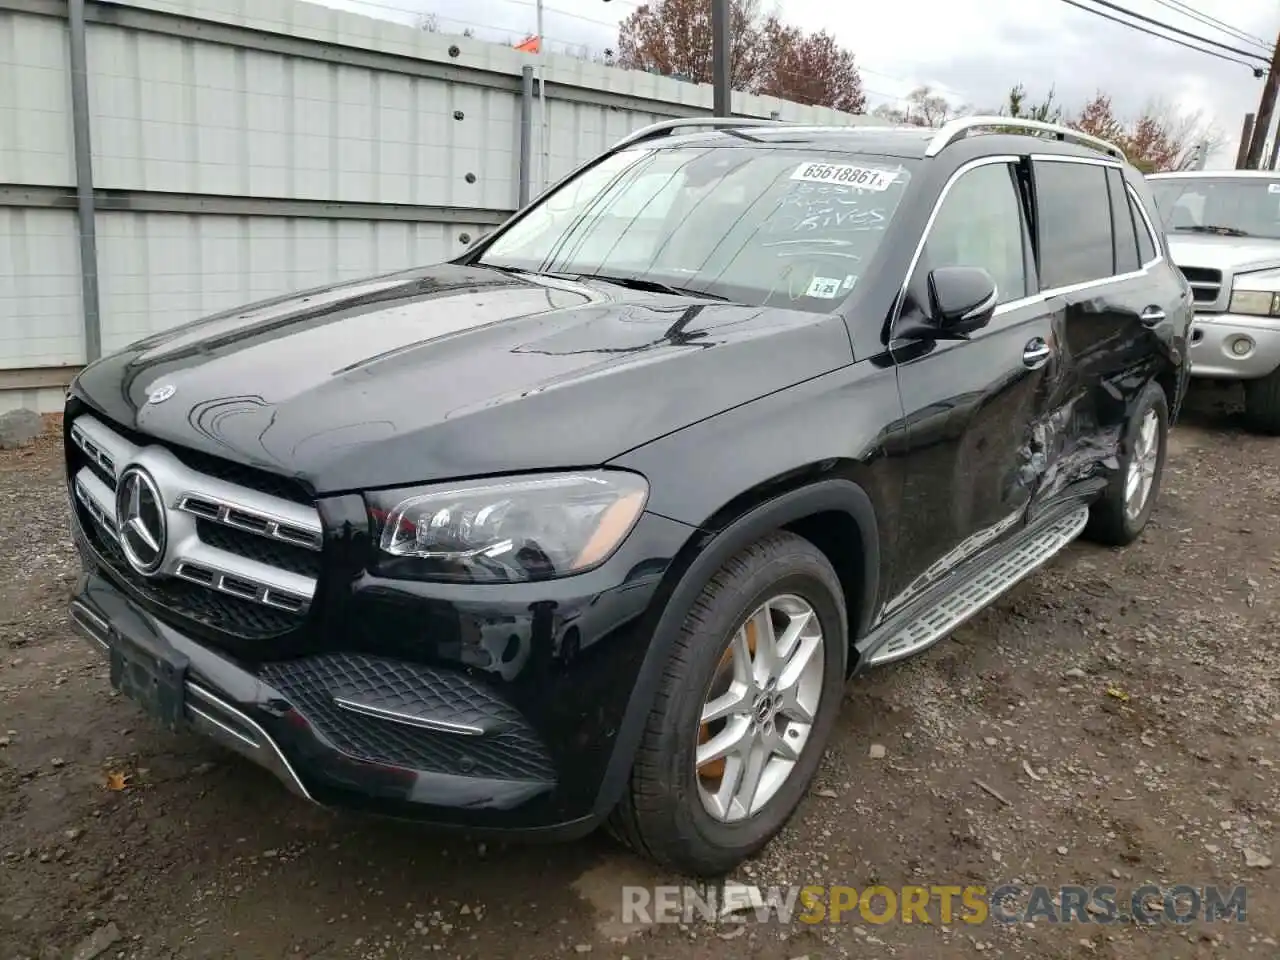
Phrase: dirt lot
{"type": "Point", "coordinates": [1122, 705]}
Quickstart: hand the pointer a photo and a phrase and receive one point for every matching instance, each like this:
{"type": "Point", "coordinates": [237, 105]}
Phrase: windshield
{"type": "Point", "coordinates": [756, 225]}
{"type": "Point", "coordinates": [1232, 206]}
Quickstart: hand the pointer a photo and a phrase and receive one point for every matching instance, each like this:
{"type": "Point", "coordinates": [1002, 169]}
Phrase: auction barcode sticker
{"type": "Point", "coordinates": [864, 178]}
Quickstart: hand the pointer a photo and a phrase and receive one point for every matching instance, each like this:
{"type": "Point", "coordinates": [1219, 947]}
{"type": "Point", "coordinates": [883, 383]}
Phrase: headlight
{"type": "Point", "coordinates": [1257, 303]}
{"type": "Point", "coordinates": [532, 527]}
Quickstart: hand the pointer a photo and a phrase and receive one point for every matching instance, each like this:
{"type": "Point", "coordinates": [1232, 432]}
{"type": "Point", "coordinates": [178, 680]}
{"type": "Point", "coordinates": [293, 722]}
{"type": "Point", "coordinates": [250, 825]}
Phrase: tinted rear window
{"type": "Point", "coordinates": [1075, 223]}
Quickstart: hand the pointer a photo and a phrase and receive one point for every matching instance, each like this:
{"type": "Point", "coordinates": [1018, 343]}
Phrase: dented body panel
{"type": "Point", "coordinates": [844, 410]}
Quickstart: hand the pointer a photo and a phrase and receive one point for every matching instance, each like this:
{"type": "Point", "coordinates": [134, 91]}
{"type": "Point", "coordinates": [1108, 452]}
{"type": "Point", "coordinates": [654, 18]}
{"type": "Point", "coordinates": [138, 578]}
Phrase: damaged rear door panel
{"type": "Point", "coordinates": [1118, 322]}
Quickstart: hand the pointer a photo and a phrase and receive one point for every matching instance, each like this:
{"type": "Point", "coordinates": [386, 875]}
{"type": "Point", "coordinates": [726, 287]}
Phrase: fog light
{"type": "Point", "coordinates": [1241, 346]}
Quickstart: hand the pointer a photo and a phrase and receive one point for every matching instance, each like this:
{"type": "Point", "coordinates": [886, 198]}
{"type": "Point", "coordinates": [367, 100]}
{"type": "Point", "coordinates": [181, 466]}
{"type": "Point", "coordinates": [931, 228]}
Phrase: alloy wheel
{"type": "Point", "coordinates": [760, 708]}
{"type": "Point", "coordinates": [1142, 465]}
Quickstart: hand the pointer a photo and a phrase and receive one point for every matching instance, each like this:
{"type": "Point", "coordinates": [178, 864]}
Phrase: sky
{"type": "Point", "coordinates": [970, 57]}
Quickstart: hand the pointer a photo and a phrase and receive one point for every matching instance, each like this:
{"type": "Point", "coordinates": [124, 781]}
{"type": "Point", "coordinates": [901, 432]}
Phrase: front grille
{"type": "Point", "coordinates": [236, 559]}
{"type": "Point", "coordinates": [1206, 284]}
{"type": "Point", "coordinates": [509, 749]}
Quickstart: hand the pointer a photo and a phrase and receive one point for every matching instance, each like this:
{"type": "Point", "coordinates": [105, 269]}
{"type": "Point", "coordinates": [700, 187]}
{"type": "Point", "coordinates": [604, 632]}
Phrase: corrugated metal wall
{"type": "Point", "coordinates": [237, 155]}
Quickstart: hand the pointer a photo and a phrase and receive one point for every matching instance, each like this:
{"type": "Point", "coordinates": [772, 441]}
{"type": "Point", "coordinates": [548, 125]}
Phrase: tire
{"type": "Point", "coordinates": [1109, 521]}
{"type": "Point", "coordinates": [1262, 404]}
{"type": "Point", "coordinates": [663, 815]}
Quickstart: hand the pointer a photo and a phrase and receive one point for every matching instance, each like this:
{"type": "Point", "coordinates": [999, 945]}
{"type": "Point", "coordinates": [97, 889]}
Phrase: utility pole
{"type": "Point", "coordinates": [720, 58]}
{"type": "Point", "coordinates": [1246, 137]}
{"type": "Point", "coordinates": [1266, 107]}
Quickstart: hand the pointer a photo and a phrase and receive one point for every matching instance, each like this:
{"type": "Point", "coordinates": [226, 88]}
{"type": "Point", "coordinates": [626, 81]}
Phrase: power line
{"type": "Point", "coordinates": [1190, 11]}
{"type": "Point", "coordinates": [1178, 30]}
{"type": "Point", "coordinates": [1146, 30]}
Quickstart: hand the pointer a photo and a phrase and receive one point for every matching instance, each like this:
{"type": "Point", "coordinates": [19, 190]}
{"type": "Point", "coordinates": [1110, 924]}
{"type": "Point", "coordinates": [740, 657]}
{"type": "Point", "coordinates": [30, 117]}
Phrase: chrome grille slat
{"type": "Point", "coordinates": [250, 520]}
{"type": "Point", "coordinates": [189, 498]}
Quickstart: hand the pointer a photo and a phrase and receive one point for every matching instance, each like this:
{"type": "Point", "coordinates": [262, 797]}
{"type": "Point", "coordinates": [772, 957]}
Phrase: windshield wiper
{"type": "Point", "coordinates": [652, 286]}
{"type": "Point", "coordinates": [1213, 228]}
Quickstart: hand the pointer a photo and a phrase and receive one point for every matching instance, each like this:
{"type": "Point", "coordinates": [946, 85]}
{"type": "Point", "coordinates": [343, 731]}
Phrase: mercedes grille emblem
{"type": "Point", "coordinates": [140, 521]}
{"type": "Point", "coordinates": [161, 394]}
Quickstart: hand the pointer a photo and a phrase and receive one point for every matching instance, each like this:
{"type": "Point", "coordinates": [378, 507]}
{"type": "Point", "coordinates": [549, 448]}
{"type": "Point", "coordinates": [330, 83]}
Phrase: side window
{"type": "Point", "coordinates": [1146, 243]}
{"type": "Point", "coordinates": [1126, 238]}
{"type": "Point", "coordinates": [980, 224]}
{"type": "Point", "coordinates": [1075, 222]}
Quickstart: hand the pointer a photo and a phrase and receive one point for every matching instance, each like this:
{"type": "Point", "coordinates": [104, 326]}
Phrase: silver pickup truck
{"type": "Point", "coordinates": [1224, 233]}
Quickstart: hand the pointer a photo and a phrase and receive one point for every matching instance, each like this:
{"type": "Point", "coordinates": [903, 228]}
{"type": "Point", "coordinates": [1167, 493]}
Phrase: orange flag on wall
{"type": "Point", "coordinates": [529, 44]}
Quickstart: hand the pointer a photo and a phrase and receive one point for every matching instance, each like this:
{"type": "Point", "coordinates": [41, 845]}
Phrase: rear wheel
{"type": "Point", "coordinates": [743, 712]}
{"type": "Point", "coordinates": [1262, 403]}
{"type": "Point", "coordinates": [1120, 516]}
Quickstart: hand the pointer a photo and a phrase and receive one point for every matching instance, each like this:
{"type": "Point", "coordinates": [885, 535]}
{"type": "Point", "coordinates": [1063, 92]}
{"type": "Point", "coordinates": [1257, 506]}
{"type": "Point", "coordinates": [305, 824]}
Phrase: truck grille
{"type": "Point", "coordinates": [231, 548]}
{"type": "Point", "coordinates": [1206, 284]}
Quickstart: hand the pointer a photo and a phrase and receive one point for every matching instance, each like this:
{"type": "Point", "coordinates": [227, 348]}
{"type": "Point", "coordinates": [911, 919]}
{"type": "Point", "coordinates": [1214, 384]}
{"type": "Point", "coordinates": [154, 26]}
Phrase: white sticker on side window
{"type": "Point", "coordinates": [845, 175]}
{"type": "Point", "coordinates": [824, 288]}
{"type": "Point", "coordinates": [1273, 188]}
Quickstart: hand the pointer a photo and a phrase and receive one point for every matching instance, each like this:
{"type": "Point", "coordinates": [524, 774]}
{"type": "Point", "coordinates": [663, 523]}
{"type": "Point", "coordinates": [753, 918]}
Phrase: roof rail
{"type": "Point", "coordinates": [954, 130]}
{"type": "Point", "coordinates": [664, 127]}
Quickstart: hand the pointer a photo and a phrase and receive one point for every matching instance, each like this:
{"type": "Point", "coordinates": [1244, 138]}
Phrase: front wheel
{"type": "Point", "coordinates": [743, 710]}
{"type": "Point", "coordinates": [1262, 403]}
{"type": "Point", "coordinates": [1120, 516]}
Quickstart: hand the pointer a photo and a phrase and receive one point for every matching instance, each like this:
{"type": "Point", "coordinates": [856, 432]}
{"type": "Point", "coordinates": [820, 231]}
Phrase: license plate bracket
{"type": "Point", "coordinates": [151, 677]}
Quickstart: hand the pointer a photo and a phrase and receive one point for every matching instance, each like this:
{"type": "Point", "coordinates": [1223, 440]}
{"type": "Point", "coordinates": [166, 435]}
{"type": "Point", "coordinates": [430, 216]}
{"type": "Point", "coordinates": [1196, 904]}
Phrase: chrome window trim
{"type": "Point", "coordinates": [1146, 219]}
{"type": "Point", "coordinates": [1044, 294]}
{"type": "Point", "coordinates": [933, 216]}
{"type": "Point", "coordinates": [1061, 158]}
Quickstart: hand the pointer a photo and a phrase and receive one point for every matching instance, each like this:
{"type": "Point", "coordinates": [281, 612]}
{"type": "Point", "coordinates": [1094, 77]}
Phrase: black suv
{"type": "Point", "coordinates": [593, 523]}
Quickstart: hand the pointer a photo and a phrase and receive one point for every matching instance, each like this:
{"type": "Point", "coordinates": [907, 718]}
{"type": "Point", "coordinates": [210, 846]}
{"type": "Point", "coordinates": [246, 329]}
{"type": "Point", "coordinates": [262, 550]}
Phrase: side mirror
{"type": "Point", "coordinates": [961, 300]}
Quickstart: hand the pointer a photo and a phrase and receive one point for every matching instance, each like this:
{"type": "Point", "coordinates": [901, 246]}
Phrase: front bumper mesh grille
{"type": "Point", "coordinates": [503, 745]}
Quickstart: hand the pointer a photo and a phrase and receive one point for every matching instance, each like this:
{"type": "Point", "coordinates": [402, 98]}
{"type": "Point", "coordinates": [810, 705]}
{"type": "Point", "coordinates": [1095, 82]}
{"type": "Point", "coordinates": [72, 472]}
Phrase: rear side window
{"type": "Point", "coordinates": [1075, 223]}
{"type": "Point", "coordinates": [1126, 238]}
{"type": "Point", "coordinates": [1146, 242]}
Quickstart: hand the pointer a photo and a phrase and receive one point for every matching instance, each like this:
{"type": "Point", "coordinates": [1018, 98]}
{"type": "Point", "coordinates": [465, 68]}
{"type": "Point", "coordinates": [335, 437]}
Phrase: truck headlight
{"type": "Point", "coordinates": [1256, 303]}
{"type": "Point", "coordinates": [507, 530]}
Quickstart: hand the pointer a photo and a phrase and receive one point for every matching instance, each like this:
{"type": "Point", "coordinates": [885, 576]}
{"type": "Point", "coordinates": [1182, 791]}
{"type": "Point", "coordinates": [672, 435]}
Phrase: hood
{"type": "Point", "coordinates": [453, 371]}
{"type": "Point", "coordinates": [1228, 254]}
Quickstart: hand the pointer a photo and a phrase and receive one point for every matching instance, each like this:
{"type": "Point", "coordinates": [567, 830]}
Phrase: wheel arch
{"type": "Point", "coordinates": [825, 511]}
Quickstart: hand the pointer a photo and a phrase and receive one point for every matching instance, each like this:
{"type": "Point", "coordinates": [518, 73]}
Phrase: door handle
{"type": "Point", "coordinates": [1036, 352]}
{"type": "Point", "coordinates": [1152, 315]}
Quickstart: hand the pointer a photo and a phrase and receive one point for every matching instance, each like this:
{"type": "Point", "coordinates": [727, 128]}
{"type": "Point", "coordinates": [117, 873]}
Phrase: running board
{"type": "Point", "coordinates": [974, 593]}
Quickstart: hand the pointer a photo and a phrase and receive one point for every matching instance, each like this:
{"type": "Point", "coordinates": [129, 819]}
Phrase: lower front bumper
{"type": "Point", "coordinates": [1234, 347]}
{"type": "Point", "coordinates": [323, 726]}
{"type": "Point", "coordinates": [204, 710]}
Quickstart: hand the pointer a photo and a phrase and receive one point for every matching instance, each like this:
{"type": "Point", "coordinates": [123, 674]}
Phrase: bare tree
{"type": "Point", "coordinates": [1046, 111]}
{"type": "Point", "coordinates": [430, 23]}
{"type": "Point", "coordinates": [921, 108]}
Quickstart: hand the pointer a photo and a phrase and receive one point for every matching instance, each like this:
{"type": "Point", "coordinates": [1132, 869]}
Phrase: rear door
{"type": "Point", "coordinates": [1104, 271]}
{"type": "Point", "coordinates": [968, 404]}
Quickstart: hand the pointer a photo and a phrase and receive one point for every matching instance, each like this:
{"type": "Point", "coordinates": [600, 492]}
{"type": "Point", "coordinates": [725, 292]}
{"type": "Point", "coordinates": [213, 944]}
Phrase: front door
{"type": "Point", "coordinates": [971, 406]}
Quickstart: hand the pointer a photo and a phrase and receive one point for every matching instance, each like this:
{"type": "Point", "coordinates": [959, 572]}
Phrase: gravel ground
{"type": "Point", "coordinates": [1111, 721]}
